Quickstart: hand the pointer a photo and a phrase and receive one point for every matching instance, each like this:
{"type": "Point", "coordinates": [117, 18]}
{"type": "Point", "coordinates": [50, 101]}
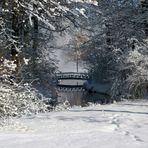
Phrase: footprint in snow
{"type": "Point", "coordinates": [137, 138]}
{"type": "Point", "coordinates": [127, 133]}
{"type": "Point", "coordinates": [137, 126]}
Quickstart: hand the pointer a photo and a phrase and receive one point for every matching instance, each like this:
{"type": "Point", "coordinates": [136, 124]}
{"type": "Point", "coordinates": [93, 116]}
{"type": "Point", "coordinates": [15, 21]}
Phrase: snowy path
{"type": "Point", "coordinates": [122, 125]}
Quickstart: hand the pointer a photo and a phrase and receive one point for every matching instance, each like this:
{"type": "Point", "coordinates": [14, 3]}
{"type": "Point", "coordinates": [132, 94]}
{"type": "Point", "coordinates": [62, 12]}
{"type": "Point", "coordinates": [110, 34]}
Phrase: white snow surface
{"type": "Point", "coordinates": [118, 125]}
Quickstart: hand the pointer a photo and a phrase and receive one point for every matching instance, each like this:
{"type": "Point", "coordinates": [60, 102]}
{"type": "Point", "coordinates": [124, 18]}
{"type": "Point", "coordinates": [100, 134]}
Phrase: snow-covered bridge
{"type": "Point", "coordinates": [71, 81]}
{"type": "Point", "coordinates": [72, 75]}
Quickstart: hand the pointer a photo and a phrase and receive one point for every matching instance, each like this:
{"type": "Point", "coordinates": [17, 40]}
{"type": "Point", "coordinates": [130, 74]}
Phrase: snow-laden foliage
{"type": "Point", "coordinates": [64, 106]}
{"type": "Point", "coordinates": [132, 78]}
{"type": "Point", "coordinates": [26, 33]}
{"type": "Point", "coordinates": [29, 28]}
{"type": "Point", "coordinates": [17, 99]}
{"type": "Point", "coordinates": [117, 50]}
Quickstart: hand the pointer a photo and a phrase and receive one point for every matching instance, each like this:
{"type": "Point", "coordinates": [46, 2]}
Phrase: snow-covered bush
{"type": "Point", "coordinates": [17, 99]}
{"type": "Point", "coordinates": [132, 78]}
{"type": "Point", "coordinates": [64, 106]}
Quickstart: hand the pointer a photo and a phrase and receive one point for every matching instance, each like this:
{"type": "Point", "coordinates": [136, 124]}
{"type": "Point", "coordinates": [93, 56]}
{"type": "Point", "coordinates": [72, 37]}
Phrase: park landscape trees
{"type": "Point", "coordinates": [114, 46]}
{"type": "Point", "coordinates": [27, 69]}
{"type": "Point", "coordinates": [117, 51]}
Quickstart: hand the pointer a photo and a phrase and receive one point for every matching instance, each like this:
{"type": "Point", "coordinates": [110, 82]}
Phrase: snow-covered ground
{"type": "Point", "coordinates": [119, 125]}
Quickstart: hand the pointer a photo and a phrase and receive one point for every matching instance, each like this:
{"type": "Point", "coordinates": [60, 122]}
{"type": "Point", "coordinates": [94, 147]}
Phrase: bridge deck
{"type": "Point", "coordinates": [72, 75]}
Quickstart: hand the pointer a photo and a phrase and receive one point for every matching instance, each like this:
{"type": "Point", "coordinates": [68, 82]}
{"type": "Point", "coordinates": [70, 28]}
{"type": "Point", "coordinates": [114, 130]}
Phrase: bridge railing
{"type": "Point", "coordinates": [70, 75]}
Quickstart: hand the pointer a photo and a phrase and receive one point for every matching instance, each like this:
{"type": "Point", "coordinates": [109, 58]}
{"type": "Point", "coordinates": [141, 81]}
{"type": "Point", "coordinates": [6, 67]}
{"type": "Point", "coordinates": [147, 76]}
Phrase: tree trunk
{"type": "Point", "coordinates": [15, 33]}
{"type": "Point", "coordinates": [35, 45]}
{"type": "Point", "coordinates": [145, 10]}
